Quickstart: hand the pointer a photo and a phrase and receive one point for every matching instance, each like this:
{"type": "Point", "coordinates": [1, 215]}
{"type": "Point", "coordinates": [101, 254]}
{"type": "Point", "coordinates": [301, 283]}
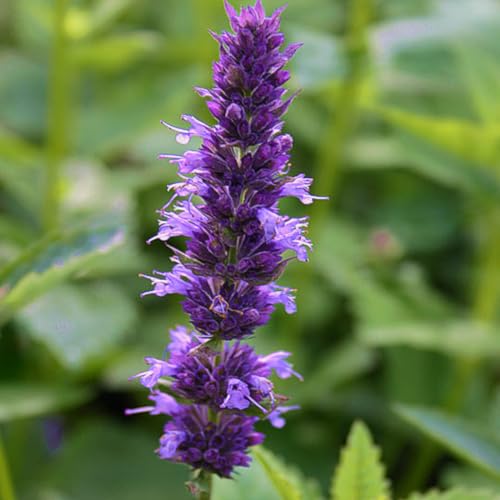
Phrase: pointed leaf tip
{"type": "Point", "coordinates": [360, 473]}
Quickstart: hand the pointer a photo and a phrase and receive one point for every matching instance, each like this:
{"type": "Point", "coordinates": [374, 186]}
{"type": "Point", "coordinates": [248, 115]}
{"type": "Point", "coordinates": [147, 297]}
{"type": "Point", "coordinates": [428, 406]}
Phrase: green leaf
{"type": "Point", "coordinates": [250, 483]}
{"type": "Point", "coordinates": [468, 140]}
{"type": "Point", "coordinates": [23, 84]}
{"type": "Point", "coordinates": [16, 150]}
{"type": "Point", "coordinates": [144, 100]}
{"type": "Point", "coordinates": [360, 474]}
{"type": "Point", "coordinates": [336, 367]}
{"type": "Point", "coordinates": [466, 476]}
{"type": "Point", "coordinates": [115, 52]}
{"type": "Point", "coordinates": [479, 70]}
{"type": "Point", "coordinates": [106, 460]}
{"type": "Point", "coordinates": [458, 494]}
{"type": "Point", "coordinates": [313, 72]}
{"type": "Point", "coordinates": [441, 165]}
{"type": "Point", "coordinates": [20, 400]}
{"type": "Point", "coordinates": [285, 482]}
{"type": "Point", "coordinates": [463, 438]}
{"type": "Point", "coordinates": [466, 339]}
{"type": "Point", "coordinates": [81, 324]}
{"type": "Point", "coordinates": [52, 261]}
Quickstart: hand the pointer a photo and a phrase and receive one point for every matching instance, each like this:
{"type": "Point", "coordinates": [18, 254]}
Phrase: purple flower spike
{"type": "Point", "coordinates": [237, 244]}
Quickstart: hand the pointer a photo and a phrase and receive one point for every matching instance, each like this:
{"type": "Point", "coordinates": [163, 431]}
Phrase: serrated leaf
{"type": "Point", "coordinates": [360, 474]}
{"type": "Point", "coordinates": [20, 400]}
{"type": "Point", "coordinates": [463, 438]}
{"type": "Point", "coordinates": [466, 339]}
{"type": "Point", "coordinates": [50, 262]}
{"type": "Point", "coordinates": [458, 494]}
{"type": "Point", "coordinates": [81, 324]}
{"type": "Point", "coordinates": [283, 479]}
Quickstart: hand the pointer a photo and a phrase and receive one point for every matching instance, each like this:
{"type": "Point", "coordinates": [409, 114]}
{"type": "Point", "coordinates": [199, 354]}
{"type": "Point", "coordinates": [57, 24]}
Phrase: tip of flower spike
{"type": "Point", "coordinates": [259, 8]}
{"type": "Point", "coordinates": [231, 13]}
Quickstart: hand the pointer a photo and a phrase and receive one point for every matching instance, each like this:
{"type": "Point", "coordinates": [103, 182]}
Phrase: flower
{"type": "Point", "coordinates": [192, 438]}
{"type": "Point", "coordinates": [237, 244]}
{"type": "Point", "coordinates": [275, 417]}
{"type": "Point", "coordinates": [234, 378]}
{"type": "Point", "coordinates": [218, 307]}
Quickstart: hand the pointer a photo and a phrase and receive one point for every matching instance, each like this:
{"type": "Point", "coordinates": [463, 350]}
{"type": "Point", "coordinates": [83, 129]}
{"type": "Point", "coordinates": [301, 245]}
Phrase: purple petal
{"type": "Point", "coordinates": [237, 395]}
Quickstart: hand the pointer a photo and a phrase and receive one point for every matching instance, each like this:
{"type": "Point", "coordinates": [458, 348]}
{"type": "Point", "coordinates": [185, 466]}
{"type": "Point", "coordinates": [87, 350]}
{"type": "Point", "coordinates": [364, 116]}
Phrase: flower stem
{"type": "Point", "coordinates": [56, 119]}
{"type": "Point", "coordinates": [206, 491]}
{"type": "Point", "coordinates": [6, 486]}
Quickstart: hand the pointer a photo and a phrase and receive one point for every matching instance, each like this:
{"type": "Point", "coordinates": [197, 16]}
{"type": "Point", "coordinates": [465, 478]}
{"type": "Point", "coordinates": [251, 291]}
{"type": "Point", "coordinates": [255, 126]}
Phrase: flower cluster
{"type": "Point", "coordinates": [237, 246]}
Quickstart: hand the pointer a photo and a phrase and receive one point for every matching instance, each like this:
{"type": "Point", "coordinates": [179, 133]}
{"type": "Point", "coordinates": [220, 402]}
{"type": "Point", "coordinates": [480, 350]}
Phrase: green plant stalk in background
{"type": "Point", "coordinates": [343, 120]}
{"type": "Point", "coordinates": [6, 487]}
{"type": "Point", "coordinates": [343, 110]}
{"type": "Point", "coordinates": [56, 119]}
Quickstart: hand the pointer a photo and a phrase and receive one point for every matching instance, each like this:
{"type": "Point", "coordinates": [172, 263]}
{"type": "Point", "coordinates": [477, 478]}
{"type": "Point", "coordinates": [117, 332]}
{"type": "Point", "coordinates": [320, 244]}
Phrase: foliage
{"type": "Point", "coordinates": [398, 309]}
{"type": "Point", "coordinates": [359, 475]}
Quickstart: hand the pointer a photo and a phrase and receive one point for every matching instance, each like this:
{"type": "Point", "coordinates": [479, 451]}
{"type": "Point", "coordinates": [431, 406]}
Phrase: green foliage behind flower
{"type": "Point", "coordinates": [398, 310]}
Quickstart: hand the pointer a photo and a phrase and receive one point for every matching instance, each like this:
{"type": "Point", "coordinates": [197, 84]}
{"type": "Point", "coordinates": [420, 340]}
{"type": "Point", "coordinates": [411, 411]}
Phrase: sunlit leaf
{"type": "Point", "coordinates": [468, 140]}
{"type": "Point", "coordinates": [115, 52]}
{"type": "Point", "coordinates": [16, 150]}
{"type": "Point", "coordinates": [481, 74]}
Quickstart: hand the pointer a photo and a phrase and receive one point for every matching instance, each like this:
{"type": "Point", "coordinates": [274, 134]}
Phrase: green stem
{"type": "Point", "coordinates": [340, 126]}
{"type": "Point", "coordinates": [343, 119]}
{"type": "Point", "coordinates": [6, 486]}
{"type": "Point", "coordinates": [206, 492]}
{"type": "Point", "coordinates": [56, 119]}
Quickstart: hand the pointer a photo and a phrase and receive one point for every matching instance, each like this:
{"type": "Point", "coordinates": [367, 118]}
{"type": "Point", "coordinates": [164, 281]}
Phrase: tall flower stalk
{"type": "Point", "coordinates": [212, 386]}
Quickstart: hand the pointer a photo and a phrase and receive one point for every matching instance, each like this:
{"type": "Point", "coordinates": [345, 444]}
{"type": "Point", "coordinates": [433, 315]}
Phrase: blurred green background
{"type": "Point", "coordinates": [399, 123]}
